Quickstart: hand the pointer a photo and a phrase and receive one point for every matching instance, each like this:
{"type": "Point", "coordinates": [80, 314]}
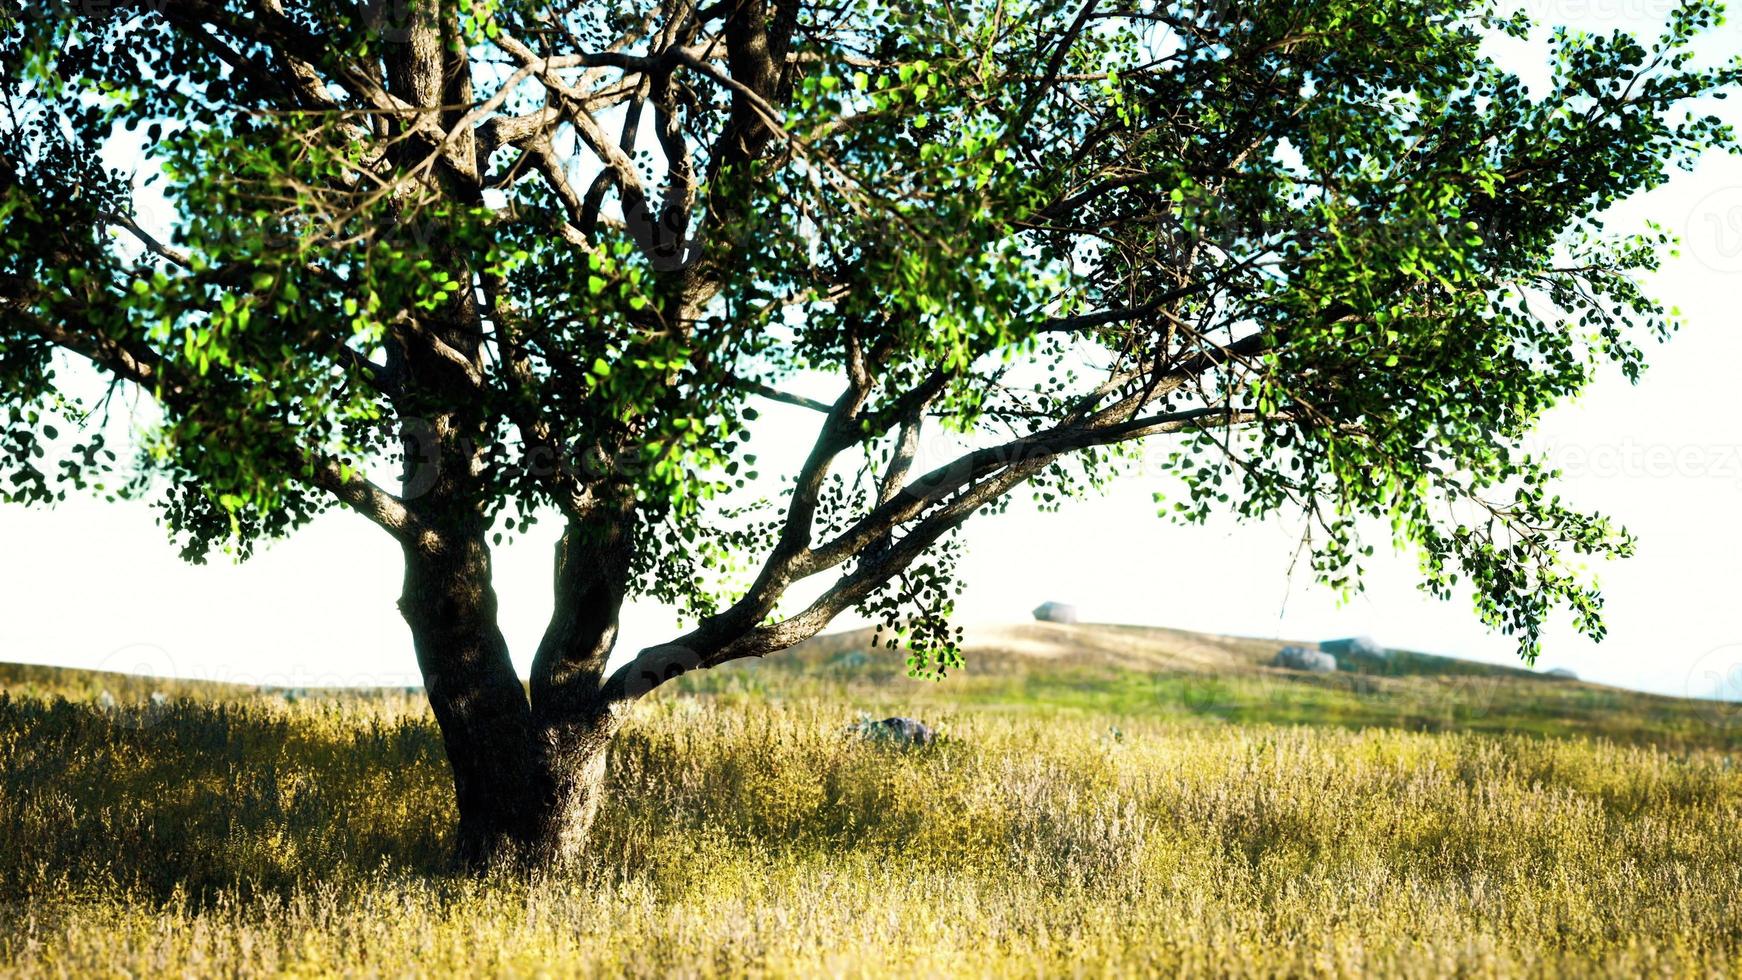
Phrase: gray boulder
{"type": "Point", "coordinates": [900, 731]}
{"type": "Point", "coordinates": [1358, 646]}
{"type": "Point", "coordinates": [1055, 612]}
{"type": "Point", "coordinates": [1561, 673]}
{"type": "Point", "coordinates": [1301, 658]}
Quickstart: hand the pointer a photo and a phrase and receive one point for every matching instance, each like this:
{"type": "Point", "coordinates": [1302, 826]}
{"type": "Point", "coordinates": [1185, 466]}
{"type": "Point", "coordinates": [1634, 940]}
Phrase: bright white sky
{"type": "Point", "coordinates": [96, 585]}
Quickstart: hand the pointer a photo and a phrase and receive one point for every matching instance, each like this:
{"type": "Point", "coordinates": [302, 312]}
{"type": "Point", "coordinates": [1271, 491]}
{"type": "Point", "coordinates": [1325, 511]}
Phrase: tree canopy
{"type": "Point", "coordinates": [533, 259]}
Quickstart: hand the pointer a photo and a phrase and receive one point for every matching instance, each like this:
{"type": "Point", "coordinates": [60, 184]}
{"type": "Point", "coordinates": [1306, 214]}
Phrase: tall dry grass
{"type": "Point", "coordinates": [751, 835]}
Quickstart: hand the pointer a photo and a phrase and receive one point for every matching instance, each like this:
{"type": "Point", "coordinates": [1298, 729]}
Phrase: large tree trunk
{"type": "Point", "coordinates": [527, 791]}
{"type": "Point", "coordinates": [485, 721]}
{"type": "Point", "coordinates": [527, 772]}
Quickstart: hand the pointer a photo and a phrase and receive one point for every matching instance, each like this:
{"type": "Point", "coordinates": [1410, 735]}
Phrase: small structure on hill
{"type": "Point", "coordinates": [1561, 673]}
{"type": "Point", "coordinates": [1358, 646]}
{"type": "Point", "coordinates": [1055, 612]}
{"type": "Point", "coordinates": [1302, 658]}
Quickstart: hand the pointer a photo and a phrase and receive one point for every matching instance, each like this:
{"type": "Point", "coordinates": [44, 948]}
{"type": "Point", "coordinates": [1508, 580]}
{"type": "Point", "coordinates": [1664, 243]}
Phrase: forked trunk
{"type": "Point", "coordinates": [526, 793]}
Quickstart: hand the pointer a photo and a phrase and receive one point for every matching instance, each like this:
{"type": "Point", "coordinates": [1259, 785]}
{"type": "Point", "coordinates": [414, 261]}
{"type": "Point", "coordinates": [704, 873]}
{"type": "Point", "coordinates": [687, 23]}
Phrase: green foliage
{"type": "Point", "coordinates": [1345, 259]}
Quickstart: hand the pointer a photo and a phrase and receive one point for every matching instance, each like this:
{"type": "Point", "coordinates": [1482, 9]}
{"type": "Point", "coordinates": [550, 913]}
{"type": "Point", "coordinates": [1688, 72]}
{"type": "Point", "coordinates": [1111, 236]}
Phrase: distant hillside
{"type": "Point", "coordinates": [999, 648]}
{"type": "Point", "coordinates": [1115, 672]}
{"type": "Point", "coordinates": [1144, 671]}
{"type": "Point", "coordinates": [74, 684]}
{"type": "Point", "coordinates": [77, 684]}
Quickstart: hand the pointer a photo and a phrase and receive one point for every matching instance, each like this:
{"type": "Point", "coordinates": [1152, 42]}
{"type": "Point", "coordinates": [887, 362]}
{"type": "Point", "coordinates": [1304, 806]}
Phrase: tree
{"type": "Point", "coordinates": [462, 265]}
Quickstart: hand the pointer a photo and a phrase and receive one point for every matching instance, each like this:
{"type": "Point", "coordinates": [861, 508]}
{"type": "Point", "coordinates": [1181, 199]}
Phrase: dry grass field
{"type": "Point", "coordinates": [1102, 800]}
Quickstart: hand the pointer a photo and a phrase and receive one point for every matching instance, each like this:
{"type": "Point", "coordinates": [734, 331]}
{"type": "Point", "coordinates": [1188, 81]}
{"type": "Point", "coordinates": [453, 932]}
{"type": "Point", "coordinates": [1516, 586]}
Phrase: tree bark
{"type": "Point", "coordinates": [486, 723]}
{"type": "Point", "coordinates": [527, 787]}
{"type": "Point", "coordinates": [574, 766]}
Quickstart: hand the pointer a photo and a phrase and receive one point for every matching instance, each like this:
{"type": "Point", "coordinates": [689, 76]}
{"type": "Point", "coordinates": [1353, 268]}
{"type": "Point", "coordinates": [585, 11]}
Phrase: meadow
{"type": "Point", "coordinates": [1101, 800]}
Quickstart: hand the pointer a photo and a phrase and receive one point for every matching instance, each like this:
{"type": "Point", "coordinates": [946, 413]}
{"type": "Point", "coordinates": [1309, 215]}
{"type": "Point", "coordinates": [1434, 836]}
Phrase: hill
{"type": "Point", "coordinates": [1109, 670]}
{"type": "Point", "coordinates": [1115, 671]}
{"type": "Point", "coordinates": [73, 683]}
{"type": "Point", "coordinates": [1152, 672]}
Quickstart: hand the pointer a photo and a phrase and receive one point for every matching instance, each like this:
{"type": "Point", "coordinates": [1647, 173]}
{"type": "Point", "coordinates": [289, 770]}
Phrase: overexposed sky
{"type": "Point", "coordinates": [97, 585]}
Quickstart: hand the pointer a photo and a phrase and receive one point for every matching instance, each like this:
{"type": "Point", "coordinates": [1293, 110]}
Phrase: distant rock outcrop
{"type": "Point", "coordinates": [1358, 646]}
{"type": "Point", "coordinates": [1301, 658]}
{"type": "Point", "coordinates": [901, 731]}
{"type": "Point", "coordinates": [1561, 673]}
{"type": "Point", "coordinates": [1055, 612]}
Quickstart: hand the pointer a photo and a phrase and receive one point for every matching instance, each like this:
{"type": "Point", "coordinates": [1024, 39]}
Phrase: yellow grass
{"type": "Point", "coordinates": [752, 835]}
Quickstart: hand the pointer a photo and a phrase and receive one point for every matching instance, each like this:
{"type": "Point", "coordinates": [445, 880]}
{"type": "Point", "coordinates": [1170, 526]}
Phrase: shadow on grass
{"type": "Point", "coordinates": [188, 798]}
